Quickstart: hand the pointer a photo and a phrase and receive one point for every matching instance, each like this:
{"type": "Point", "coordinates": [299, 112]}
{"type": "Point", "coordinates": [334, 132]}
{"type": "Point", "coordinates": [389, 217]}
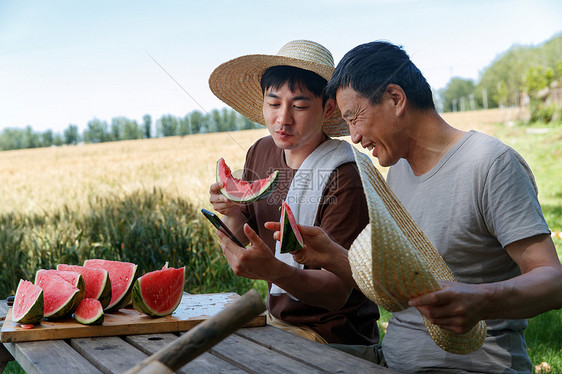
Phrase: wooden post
{"type": "Point", "coordinates": [206, 334]}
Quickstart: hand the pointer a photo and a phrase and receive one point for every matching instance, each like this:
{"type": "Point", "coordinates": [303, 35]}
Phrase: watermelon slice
{"type": "Point", "coordinates": [122, 275]}
{"type": "Point", "coordinates": [29, 303]}
{"type": "Point", "coordinates": [291, 239]}
{"type": "Point", "coordinates": [71, 277]}
{"type": "Point", "coordinates": [89, 312]}
{"type": "Point", "coordinates": [241, 191]}
{"type": "Point", "coordinates": [61, 297]}
{"type": "Point", "coordinates": [98, 285]}
{"type": "Point", "coordinates": [159, 292]}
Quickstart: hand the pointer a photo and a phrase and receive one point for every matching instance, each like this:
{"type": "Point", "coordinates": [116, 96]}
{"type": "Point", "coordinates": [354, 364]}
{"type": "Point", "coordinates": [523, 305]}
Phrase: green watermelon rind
{"type": "Point", "coordinates": [264, 193]}
{"type": "Point", "coordinates": [289, 241]}
{"type": "Point", "coordinates": [97, 320]}
{"type": "Point", "coordinates": [105, 294]}
{"type": "Point", "coordinates": [140, 305]}
{"type": "Point", "coordinates": [67, 308]}
{"type": "Point", "coordinates": [35, 313]}
{"type": "Point", "coordinates": [126, 299]}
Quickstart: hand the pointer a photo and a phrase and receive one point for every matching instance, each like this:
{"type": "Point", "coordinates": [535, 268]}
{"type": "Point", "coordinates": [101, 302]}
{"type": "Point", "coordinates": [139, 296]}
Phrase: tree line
{"type": "Point", "coordinates": [123, 128]}
{"type": "Point", "coordinates": [517, 77]}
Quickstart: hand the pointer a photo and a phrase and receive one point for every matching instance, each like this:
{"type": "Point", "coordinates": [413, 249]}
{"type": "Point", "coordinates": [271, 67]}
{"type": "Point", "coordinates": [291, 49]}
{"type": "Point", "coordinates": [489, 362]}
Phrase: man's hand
{"type": "Point", "coordinates": [456, 307]}
{"type": "Point", "coordinates": [221, 203]}
{"type": "Point", "coordinates": [318, 248]}
{"type": "Point", "coordinates": [257, 261]}
{"type": "Point", "coordinates": [319, 251]}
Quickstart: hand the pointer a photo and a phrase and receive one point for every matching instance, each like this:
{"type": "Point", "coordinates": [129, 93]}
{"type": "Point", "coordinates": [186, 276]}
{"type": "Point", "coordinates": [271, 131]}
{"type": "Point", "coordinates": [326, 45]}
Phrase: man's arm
{"type": "Point", "coordinates": [314, 287]}
{"type": "Point", "coordinates": [459, 306]}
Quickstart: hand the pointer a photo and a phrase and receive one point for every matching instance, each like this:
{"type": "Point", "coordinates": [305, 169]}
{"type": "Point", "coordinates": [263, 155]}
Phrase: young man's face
{"type": "Point", "coordinates": [294, 119]}
{"type": "Point", "coordinates": [372, 125]}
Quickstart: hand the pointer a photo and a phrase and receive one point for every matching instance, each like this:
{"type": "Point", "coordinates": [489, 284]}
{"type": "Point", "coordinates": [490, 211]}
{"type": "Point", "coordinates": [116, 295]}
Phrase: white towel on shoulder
{"type": "Point", "coordinates": [306, 190]}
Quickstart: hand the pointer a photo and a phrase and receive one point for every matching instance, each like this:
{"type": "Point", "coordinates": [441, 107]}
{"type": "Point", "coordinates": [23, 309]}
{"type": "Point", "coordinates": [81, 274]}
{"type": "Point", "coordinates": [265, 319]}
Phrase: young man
{"type": "Point", "coordinates": [476, 200]}
{"type": "Point", "coordinates": [317, 177]}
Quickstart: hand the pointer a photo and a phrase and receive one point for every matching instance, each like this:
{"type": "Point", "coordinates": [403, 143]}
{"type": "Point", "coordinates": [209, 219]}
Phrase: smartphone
{"type": "Point", "coordinates": [216, 221]}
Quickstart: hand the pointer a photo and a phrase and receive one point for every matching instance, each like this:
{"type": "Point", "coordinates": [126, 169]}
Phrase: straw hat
{"type": "Point", "coordinates": [237, 82]}
{"type": "Point", "coordinates": [392, 260]}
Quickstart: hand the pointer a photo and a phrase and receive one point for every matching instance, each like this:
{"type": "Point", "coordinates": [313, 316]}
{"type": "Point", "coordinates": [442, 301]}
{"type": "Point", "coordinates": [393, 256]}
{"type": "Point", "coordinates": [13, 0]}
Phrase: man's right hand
{"type": "Point", "coordinates": [221, 203]}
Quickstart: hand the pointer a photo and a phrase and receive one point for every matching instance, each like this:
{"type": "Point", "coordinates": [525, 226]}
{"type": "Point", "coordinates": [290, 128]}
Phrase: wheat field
{"type": "Point", "coordinates": [48, 179]}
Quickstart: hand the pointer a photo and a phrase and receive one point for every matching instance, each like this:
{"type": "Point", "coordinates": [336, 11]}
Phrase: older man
{"type": "Point", "coordinates": [476, 200]}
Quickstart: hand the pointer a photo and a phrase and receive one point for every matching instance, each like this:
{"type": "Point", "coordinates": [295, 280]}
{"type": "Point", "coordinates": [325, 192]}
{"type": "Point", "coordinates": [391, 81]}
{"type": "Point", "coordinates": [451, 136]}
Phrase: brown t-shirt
{"type": "Point", "coordinates": [342, 213]}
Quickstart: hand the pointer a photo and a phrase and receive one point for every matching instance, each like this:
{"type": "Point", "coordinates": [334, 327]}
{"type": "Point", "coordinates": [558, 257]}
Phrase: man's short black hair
{"type": "Point", "coordinates": [277, 76]}
{"type": "Point", "coordinates": [369, 68]}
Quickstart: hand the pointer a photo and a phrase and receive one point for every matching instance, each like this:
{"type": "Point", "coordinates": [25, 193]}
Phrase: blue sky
{"type": "Point", "coordinates": [66, 62]}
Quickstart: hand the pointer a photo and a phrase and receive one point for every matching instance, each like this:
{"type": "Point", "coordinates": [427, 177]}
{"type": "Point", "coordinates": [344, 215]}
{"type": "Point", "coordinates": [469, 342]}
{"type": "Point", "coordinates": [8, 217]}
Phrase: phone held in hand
{"type": "Point", "coordinates": [216, 221]}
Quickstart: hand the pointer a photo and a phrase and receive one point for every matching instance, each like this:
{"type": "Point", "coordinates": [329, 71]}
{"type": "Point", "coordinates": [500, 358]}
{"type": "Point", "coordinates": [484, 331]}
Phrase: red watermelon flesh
{"type": "Point", "coordinates": [60, 296]}
{"type": "Point", "coordinates": [71, 277]}
{"type": "Point", "coordinates": [28, 303]}
{"type": "Point", "coordinates": [89, 312]}
{"type": "Point", "coordinates": [121, 275]}
{"type": "Point", "coordinates": [159, 292]}
{"type": "Point", "coordinates": [94, 279]}
{"type": "Point", "coordinates": [242, 191]}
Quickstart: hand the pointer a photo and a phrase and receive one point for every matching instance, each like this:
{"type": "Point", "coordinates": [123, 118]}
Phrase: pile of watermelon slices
{"type": "Point", "coordinates": [99, 286]}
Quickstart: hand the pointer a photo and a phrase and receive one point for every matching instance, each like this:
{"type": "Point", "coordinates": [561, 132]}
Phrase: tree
{"type": "Point", "coordinates": [71, 135]}
{"type": "Point", "coordinates": [131, 129]}
{"type": "Point", "coordinates": [167, 125]}
{"type": "Point", "coordinates": [457, 89]}
{"type": "Point", "coordinates": [184, 126]}
{"type": "Point", "coordinates": [116, 129]}
{"type": "Point", "coordinates": [30, 138]}
{"type": "Point", "coordinates": [96, 131]}
{"type": "Point", "coordinates": [47, 138]}
{"type": "Point", "coordinates": [196, 121]}
{"type": "Point", "coordinates": [147, 126]}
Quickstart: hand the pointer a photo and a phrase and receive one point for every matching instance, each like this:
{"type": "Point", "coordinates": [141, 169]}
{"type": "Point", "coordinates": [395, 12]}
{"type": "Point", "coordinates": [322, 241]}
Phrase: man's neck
{"type": "Point", "coordinates": [295, 157]}
{"type": "Point", "coordinates": [432, 138]}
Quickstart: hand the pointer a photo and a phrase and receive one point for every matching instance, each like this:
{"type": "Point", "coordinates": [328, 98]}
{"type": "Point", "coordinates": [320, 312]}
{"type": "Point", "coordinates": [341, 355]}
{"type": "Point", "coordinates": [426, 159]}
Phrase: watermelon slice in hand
{"type": "Point", "coordinates": [159, 292]}
{"type": "Point", "coordinates": [241, 191]}
{"type": "Point", "coordinates": [291, 239]}
{"type": "Point", "coordinates": [122, 275]}
{"type": "Point", "coordinates": [29, 303]}
{"type": "Point", "coordinates": [89, 312]}
{"type": "Point", "coordinates": [97, 283]}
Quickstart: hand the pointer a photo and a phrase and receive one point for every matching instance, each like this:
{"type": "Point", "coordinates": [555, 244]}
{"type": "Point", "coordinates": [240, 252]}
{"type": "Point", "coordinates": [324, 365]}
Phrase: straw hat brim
{"type": "Point", "coordinates": [237, 83]}
{"type": "Point", "coordinates": [392, 260]}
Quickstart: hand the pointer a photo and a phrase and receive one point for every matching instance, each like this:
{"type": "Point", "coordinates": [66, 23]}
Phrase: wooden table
{"type": "Point", "coordinates": [250, 350]}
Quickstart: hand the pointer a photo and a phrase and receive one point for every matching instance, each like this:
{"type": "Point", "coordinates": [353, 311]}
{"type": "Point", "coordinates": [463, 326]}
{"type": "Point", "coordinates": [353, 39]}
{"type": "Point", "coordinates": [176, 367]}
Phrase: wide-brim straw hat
{"type": "Point", "coordinates": [392, 260]}
{"type": "Point", "coordinates": [238, 81]}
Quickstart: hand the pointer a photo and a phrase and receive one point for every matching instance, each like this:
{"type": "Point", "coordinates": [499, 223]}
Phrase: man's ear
{"type": "Point", "coordinates": [398, 97]}
{"type": "Point", "coordinates": [329, 108]}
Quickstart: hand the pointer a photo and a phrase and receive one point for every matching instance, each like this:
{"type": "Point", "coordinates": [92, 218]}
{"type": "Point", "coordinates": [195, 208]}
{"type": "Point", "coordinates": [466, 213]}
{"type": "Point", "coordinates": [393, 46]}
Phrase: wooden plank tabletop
{"type": "Point", "coordinates": [264, 349]}
{"type": "Point", "coordinates": [192, 310]}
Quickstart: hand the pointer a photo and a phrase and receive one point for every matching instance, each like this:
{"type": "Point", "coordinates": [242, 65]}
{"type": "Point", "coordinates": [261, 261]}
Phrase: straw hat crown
{"type": "Point", "coordinates": [238, 82]}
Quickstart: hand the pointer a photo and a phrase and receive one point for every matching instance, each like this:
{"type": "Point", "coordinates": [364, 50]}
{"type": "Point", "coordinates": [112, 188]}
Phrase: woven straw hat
{"type": "Point", "coordinates": [392, 260]}
{"type": "Point", "coordinates": [237, 82]}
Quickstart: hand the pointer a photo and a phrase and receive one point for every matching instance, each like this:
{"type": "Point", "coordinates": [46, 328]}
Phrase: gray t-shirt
{"type": "Point", "coordinates": [479, 198]}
